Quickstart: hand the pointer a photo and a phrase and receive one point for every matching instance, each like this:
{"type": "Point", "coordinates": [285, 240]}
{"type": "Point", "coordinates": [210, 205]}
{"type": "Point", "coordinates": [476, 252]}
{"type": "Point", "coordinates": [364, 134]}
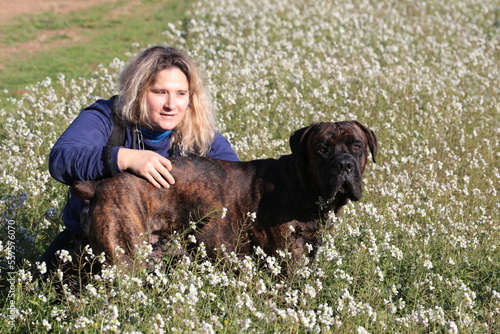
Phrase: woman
{"type": "Point", "coordinates": [164, 111]}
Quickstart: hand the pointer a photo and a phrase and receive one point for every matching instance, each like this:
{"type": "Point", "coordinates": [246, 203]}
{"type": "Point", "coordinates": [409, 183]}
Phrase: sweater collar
{"type": "Point", "coordinates": [155, 136]}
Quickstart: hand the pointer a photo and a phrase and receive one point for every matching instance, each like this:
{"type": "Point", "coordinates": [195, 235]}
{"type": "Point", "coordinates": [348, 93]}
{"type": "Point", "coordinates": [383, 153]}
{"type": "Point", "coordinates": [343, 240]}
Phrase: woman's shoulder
{"type": "Point", "coordinates": [219, 139]}
{"type": "Point", "coordinates": [97, 116]}
{"type": "Point", "coordinates": [102, 105]}
{"type": "Point", "coordinates": [221, 148]}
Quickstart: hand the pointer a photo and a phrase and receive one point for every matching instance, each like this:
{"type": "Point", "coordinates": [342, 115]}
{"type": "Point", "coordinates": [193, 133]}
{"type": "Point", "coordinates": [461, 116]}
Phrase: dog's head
{"type": "Point", "coordinates": [331, 157]}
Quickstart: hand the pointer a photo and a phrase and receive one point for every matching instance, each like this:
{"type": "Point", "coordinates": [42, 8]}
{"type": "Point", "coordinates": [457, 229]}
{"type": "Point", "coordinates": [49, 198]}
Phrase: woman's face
{"type": "Point", "coordinates": [168, 99]}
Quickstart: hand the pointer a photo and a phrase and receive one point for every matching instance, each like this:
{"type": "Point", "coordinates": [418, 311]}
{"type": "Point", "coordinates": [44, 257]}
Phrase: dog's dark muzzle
{"type": "Point", "coordinates": [345, 179]}
{"type": "Point", "coordinates": [344, 165]}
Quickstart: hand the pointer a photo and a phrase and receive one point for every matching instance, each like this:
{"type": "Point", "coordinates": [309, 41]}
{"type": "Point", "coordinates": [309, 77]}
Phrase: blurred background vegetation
{"type": "Point", "coordinates": [41, 45]}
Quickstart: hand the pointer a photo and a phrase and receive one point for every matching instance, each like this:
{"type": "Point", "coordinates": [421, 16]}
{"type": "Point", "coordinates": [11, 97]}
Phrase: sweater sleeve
{"type": "Point", "coordinates": [80, 152]}
{"type": "Point", "coordinates": [221, 149]}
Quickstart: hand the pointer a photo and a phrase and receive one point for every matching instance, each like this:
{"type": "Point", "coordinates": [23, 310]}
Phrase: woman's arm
{"type": "Point", "coordinates": [79, 154]}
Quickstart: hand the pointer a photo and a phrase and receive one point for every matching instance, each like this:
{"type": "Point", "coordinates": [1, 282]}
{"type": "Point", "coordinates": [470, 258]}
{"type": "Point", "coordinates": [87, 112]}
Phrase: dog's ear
{"type": "Point", "coordinates": [298, 137]}
{"type": "Point", "coordinates": [298, 141]}
{"type": "Point", "coordinates": [371, 137]}
{"type": "Point", "coordinates": [85, 189]}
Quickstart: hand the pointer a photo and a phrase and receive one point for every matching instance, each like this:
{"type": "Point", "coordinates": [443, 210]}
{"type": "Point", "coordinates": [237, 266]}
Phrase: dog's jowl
{"type": "Point", "coordinates": [287, 198]}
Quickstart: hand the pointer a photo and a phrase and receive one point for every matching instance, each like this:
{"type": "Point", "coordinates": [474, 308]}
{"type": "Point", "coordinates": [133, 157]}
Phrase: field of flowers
{"type": "Point", "coordinates": [420, 253]}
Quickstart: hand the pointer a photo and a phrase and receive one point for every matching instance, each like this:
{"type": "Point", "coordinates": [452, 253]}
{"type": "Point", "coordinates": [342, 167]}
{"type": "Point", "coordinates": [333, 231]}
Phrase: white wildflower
{"type": "Point", "coordinates": [362, 330]}
{"type": "Point", "coordinates": [223, 213]}
{"type": "Point", "coordinates": [191, 238]}
{"type": "Point", "coordinates": [41, 267]}
{"type": "Point", "coordinates": [64, 256]}
{"type": "Point", "coordinates": [46, 325]}
{"type": "Point", "coordinates": [428, 264]}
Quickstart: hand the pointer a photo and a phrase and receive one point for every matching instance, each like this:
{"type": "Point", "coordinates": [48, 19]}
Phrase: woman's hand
{"type": "Point", "coordinates": [147, 164]}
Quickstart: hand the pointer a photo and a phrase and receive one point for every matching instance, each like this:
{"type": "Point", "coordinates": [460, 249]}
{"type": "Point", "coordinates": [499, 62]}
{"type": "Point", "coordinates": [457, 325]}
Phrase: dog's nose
{"type": "Point", "coordinates": [344, 164]}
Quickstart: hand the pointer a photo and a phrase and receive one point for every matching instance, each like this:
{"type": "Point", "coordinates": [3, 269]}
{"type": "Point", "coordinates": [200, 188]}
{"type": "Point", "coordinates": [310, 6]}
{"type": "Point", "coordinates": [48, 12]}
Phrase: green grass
{"type": "Point", "coordinates": [105, 40]}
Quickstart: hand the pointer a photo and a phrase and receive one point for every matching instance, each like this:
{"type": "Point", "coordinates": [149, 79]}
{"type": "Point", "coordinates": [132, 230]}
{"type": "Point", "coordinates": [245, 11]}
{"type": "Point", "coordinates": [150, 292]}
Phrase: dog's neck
{"type": "Point", "coordinates": [301, 193]}
{"type": "Point", "coordinates": [312, 200]}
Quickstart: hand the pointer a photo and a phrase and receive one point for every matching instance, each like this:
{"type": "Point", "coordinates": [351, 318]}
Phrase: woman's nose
{"type": "Point", "coordinates": [169, 102]}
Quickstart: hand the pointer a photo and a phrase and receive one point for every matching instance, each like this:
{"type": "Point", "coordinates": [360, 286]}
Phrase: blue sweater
{"type": "Point", "coordinates": [80, 153]}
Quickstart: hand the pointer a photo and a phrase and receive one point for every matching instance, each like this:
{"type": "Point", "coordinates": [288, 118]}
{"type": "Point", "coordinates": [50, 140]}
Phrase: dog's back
{"type": "Point", "coordinates": [217, 195]}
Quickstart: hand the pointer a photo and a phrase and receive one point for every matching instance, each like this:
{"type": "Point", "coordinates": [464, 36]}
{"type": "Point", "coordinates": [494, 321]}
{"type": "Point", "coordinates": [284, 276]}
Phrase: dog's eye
{"type": "Point", "coordinates": [357, 147]}
{"type": "Point", "coordinates": [322, 149]}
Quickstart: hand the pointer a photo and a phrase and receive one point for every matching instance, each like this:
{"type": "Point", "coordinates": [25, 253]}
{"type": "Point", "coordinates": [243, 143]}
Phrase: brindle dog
{"type": "Point", "coordinates": [275, 204]}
